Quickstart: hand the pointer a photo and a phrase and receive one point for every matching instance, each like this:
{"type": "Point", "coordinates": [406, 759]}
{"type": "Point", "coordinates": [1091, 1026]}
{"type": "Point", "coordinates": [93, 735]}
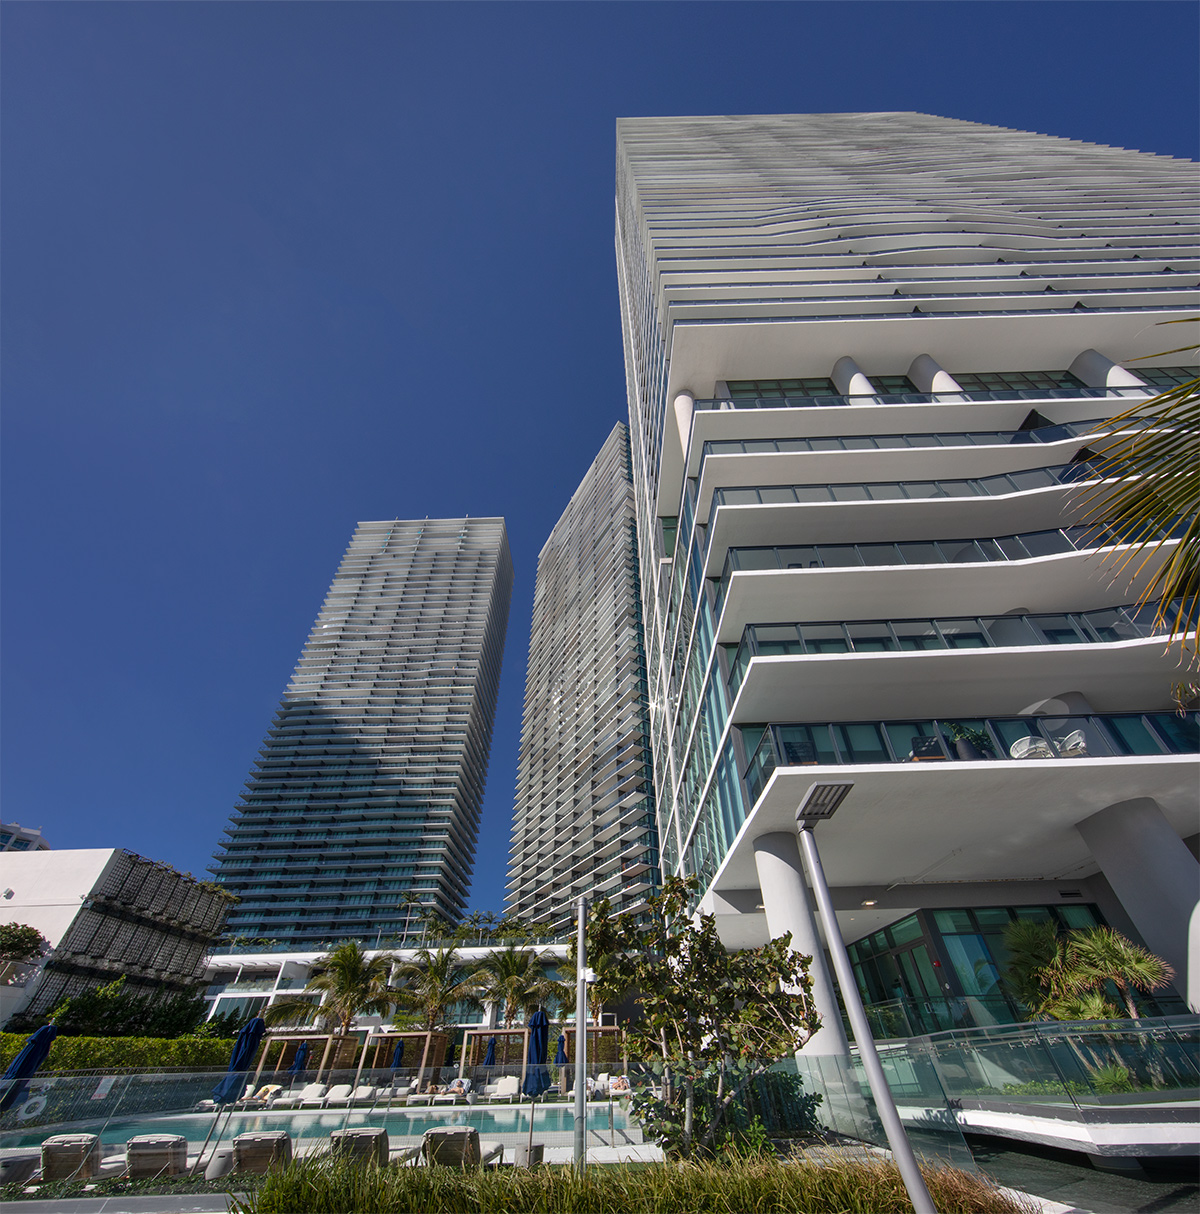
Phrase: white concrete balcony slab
{"type": "Point", "coordinates": [956, 682]}
{"type": "Point", "coordinates": [905, 824]}
{"type": "Point", "coordinates": [1069, 581]}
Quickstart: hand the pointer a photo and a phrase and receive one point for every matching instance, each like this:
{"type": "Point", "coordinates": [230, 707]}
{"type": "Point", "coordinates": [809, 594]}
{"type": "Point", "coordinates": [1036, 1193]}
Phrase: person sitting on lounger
{"type": "Point", "coordinates": [619, 1086]}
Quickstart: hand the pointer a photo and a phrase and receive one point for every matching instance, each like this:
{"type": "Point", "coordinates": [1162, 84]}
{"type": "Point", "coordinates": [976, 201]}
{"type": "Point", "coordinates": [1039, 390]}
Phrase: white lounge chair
{"type": "Point", "coordinates": [365, 1093]}
{"type": "Point", "coordinates": [602, 1084]}
{"type": "Point", "coordinates": [339, 1094]}
{"type": "Point", "coordinates": [310, 1094]}
{"type": "Point", "coordinates": [456, 1092]}
{"type": "Point", "coordinates": [507, 1087]}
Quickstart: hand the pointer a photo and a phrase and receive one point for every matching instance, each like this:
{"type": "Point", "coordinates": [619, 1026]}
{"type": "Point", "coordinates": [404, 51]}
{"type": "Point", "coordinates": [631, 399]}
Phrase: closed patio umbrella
{"type": "Point", "coordinates": [398, 1055]}
{"type": "Point", "coordinates": [301, 1058]}
{"type": "Point", "coordinates": [537, 1078]}
{"type": "Point", "coordinates": [560, 1054]}
{"type": "Point", "coordinates": [33, 1053]}
{"type": "Point", "coordinates": [489, 1059]}
{"type": "Point", "coordinates": [244, 1049]}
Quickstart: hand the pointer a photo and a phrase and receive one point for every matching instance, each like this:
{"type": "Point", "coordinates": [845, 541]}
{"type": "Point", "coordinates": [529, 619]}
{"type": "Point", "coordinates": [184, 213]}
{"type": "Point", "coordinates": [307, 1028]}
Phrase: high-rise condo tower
{"type": "Point", "coordinates": [584, 818]}
{"type": "Point", "coordinates": [869, 359]}
{"type": "Point", "coordinates": [361, 815]}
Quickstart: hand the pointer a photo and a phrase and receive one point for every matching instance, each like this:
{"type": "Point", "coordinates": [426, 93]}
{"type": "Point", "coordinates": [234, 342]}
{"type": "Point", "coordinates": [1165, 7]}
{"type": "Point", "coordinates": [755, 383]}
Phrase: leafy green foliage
{"type": "Point", "coordinates": [20, 942]}
{"type": "Point", "coordinates": [322, 1186]}
{"type": "Point", "coordinates": [114, 1011]}
{"type": "Point", "coordinates": [353, 985]}
{"type": "Point", "coordinates": [712, 1020]}
{"type": "Point", "coordinates": [433, 982]}
{"type": "Point", "coordinates": [515, 979]}
{"type": "Point", "coordinates": [117, 1053]}
{"type": "Point", "coordinates": [1112, 1078]}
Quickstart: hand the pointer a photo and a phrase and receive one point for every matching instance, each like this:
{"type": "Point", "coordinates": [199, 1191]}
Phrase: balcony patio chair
{"type": "Point", "coordinates": [459, 1147]}
{"type": "Point", "coordinates": [1030, 748]}
{"type": "Point", "coordinates": [1073, 745]}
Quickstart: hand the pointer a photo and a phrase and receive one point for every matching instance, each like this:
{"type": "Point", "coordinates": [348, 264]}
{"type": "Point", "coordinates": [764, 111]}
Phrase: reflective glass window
{"type": "Point", "coordinates": [849, 493]}
{"type": "Point", "coordinates": [961, 552]}
{"type": "Point", "coordinates": [1058, 630]}
{"type": "Point", "coordinates": [799, 558]}
{"type": "Point", "coordinates": [1010, 630]}
{"type": "Point", "coordinates": [805, 745]}
{"type": "Point", "coordinates": [880, 554]}
{"type": "Point", "coordinates": [921, 554]}
{"type": "Point", "coordinates": [885, 492]}
{"type": "Point", "coordinates": [862, 743]}
{"type": "Point", "coordinates": [1180, 732]}
{"type": "Point", "coordinates": [824, 638]}
{"type": "Point", "coordinates": [873, 637]}
{"type": "Point", "coordinates": [774, 495]}
{"type": "Point", "coordinates": [1046, 543]}
{"type": "Point", "coordinates": [918, 634]}
{"type": "Point", "coordinates": [840, 556]}
{"type": "Point", "coordinates": [811, 493]}
{"type": "Point", "coordinates": [963, 634]}
{"type": "Point", "coordinates": [1012, 547]}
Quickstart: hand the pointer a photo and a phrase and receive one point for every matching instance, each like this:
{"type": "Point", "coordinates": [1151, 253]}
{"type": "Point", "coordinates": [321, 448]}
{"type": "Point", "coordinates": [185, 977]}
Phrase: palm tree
{"type": "Point", "coordinates": [352, 984]}
{"type": "Point", "coordinates": [432, 982]}
{"type": "Point", "coordinates": [1035, 959]}
{"type": "Point", "coordinates": [1098, 955]}
{"type": "Point", "coordinates": [515, 979]}
{"type": "Point", "coordinates": [1157, 497]}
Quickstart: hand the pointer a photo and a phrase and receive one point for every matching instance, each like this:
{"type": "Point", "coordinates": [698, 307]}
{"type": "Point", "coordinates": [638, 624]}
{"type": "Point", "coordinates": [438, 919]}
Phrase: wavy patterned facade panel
{"type": "Point", "coordinates": [584, 815]}
{"type": "Point", "coordinates": [362, 813]}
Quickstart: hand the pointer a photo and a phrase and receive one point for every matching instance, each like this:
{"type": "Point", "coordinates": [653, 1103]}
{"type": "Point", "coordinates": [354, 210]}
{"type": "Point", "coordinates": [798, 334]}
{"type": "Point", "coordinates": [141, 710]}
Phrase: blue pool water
{"type": "Point", "coordinates": [500, 1122]}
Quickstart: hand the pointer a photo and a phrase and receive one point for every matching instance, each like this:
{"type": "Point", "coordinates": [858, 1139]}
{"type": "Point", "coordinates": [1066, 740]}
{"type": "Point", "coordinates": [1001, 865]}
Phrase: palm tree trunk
{"type": "Point", "coordinates": [1127, 996]}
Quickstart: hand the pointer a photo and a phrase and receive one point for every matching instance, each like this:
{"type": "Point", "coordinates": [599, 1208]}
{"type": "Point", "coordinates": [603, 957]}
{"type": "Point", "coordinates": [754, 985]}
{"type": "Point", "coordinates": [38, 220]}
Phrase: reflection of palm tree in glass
{"type": "Point", "coordinates": [409, 900]}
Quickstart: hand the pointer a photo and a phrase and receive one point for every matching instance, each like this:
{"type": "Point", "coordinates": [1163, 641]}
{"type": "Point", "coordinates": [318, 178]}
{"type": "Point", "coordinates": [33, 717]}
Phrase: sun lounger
{"type": "Point", "coordinates": [262, 1098]}
{"type": "Point", "coordinates": [339, 1094]}
{"type": "Point", "coordinates": [508, 1087]}
{"type": "Point", "coordinates": [456, 1092]}
{"type": "Point", "coordinates": [310, 1094]}
{"type": "Point", "coordinates": [620, 1086]}
{"type": "Point", "coordinates": [365, 1093]}
{"type": "Point", "coordinates": [459, 1147]}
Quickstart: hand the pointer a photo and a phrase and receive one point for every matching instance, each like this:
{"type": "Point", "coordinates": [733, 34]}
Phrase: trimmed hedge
{"type": "Point", "coordinates": [130, 1053]}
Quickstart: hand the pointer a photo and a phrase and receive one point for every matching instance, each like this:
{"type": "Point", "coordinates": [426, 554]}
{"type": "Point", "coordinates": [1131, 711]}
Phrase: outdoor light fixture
{"type": "Point", "coordinates": [868, 902]}
{"type": "Point", "coordinates": [821, 801]}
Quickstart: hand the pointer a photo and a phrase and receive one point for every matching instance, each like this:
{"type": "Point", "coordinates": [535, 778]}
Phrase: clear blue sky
{"type": "Point", "coordinates": [269, 269]}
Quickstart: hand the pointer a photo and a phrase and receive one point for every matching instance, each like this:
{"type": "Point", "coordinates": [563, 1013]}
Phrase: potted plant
{"type": "Point", "coordinates": [970, 742]}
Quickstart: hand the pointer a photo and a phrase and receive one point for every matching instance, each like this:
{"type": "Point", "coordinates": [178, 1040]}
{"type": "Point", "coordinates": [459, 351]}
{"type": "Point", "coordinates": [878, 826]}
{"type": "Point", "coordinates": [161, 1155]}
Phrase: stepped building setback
{"type": "Point", "coordinates": [869, 359]}
{"type": "Point", "coordinates": [361, 816]}
{"type": "Point", "coordinates": [584, 819]}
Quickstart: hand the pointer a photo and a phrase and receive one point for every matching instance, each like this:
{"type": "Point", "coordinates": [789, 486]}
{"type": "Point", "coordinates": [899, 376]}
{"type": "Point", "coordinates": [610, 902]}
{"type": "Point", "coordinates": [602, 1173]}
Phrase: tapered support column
{"type": "Point", "coordinates": [927, 376]}
{"type": "Point", "coordinates": [1099, 371]}
{"type": "Point", "coordinates": [789, 909]}
{"type": "Point", "coordinates": [1156, 879]}
{"type": "Point", "coordinates": [849, 380]}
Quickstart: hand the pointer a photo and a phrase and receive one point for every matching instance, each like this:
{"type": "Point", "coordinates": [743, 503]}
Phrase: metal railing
{"type": "Point", "coordinates": [920, 398]}
{"type": "Point", "coordinates": [1113, 735]}
{"type": "Point", "coordinates": [1105, 626]}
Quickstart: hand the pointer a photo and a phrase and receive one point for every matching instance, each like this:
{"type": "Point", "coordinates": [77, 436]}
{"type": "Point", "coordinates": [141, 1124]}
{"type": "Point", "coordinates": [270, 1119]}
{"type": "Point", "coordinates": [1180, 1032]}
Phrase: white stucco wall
{"type": "Point", "coordinates": [48, 887]}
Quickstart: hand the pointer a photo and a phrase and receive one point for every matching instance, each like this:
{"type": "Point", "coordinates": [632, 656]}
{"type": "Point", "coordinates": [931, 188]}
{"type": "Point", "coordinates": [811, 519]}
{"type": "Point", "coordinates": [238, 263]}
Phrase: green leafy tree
{"type": "Point", "coordinates": [1097, 956]}
{"type": "Point", "coordinates": [515, 979]}
{"type": "Point", "coordinates": [20, 942]}
{"type": "Point", "coordinates": [1152, 491]}
{"type": "Point", "coordinates": [112, 1010]}
{"type": "Point", "coordinates": [712, 1020]}
{"type": "Point", "coordinates": [351, 983]}
{"type": "Point", "coordinates": [432, 983]}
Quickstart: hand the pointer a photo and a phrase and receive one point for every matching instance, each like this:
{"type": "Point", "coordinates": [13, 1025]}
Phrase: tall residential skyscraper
{"type": "Point", "coordinates": [368, 789]}
{"type": "Point", "coordinates": [869, 358]}
{"type": "Point", "coordinates": [584, 819]}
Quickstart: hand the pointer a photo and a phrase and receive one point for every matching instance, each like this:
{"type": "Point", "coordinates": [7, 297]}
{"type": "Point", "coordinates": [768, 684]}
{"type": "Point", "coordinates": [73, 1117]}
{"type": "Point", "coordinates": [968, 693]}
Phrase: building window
{"type": "Point", "coordinates": [1166, 377]}
{"type": "Point", "coordinates": [1016, 381]}
{"type": "Point", "coordinates": [741, 389]}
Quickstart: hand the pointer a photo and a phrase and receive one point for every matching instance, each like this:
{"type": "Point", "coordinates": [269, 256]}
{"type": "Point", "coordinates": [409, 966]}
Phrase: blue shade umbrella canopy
{"type": "Point", "coordinates": [398, 1055]}
{"type": "Point", "coordinates": [300, 1059]}
{"type": "Point", "coordinates": [33, 1053]}
{"type": "Point", "coordinates": [560, 1054]}
{"type": "Point", "coordinates": [489, 1059]}
{"type": "Point", "coordinates": [244, 1049]}
{"type": "Point", "coordinates": [537, 1078]}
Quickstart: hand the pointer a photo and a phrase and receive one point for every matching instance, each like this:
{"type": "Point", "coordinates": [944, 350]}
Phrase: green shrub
{"type": "Point", "coordinates": [124, 1053]}
{"type": "Point", "coordinates": [318, 1186]}
{"type": "Point", "coordinates": [1111, 1079]}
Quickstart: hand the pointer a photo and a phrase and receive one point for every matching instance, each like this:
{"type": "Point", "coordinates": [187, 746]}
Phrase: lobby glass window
{"type": "Point", "coordinates": [808, 386]}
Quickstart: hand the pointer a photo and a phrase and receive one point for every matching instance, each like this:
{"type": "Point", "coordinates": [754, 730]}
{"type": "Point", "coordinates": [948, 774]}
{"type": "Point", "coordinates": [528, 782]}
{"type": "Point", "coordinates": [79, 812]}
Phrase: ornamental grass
{"type": "Point", "coordinates": [850, 1186]}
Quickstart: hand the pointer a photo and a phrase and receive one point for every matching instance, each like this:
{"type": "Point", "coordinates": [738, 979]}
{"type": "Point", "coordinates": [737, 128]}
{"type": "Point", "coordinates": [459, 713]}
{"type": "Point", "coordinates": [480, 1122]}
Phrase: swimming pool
{"type": "Point", "coordinates": [554, 1124]}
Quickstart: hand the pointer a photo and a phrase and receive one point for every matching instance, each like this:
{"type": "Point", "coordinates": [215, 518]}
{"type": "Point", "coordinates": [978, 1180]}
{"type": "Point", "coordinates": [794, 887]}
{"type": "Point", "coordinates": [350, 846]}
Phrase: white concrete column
{"type": "Point", "coordinates": [927, 376]}
{"type": "Point", "coordinates": [1156, 879]}
{"type": "Point", "coordinates": [1099, 371]}
{"type": "Point", "coordinates": [849, 380]}
{"type": "Point", "coordinates": [685, 406]}
{"type": "Point", "coordinates": [788, 907]}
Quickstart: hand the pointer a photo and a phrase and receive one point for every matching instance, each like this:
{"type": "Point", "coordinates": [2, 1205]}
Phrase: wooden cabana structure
{"type": "Point", "coordinates": [596, 1033]}
{"type": "Point", "coordinates": [512, 1048]}
{"type": "Point", "coordinates": [431, 1044]}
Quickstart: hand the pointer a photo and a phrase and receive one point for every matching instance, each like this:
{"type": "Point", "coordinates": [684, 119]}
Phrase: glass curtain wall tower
{"type": "Point", "coordinates": [359, 820]}
{"type": "Point", "coordinates": [869, 358]}
{"type": "Point", "coordinates": [584, 818]}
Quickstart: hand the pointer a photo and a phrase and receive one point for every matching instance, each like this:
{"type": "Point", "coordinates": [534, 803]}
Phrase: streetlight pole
{"type": "Point", "coordinates": [581, 1038]}
{"type": "Point", "coordinates": [820, 802]}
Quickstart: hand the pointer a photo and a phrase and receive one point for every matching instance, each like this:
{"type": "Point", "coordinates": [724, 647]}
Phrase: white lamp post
{"type": "Point", "coordinates": [820, 802]}
{"type": "Point", "coordinates": [581, 1039]}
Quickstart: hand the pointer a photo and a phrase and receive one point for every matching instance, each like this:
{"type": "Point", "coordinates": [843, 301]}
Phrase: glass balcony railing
{"type": "Point", "coordinates": [919, 552]}
{"type": "Point", "coordinates": [920, 398]}
{"type": "Point", "coordinates": [894, 442]}
{"type": "Point", "coordinates": [888, 491]}
{"type": "Point", "coordinates": [965, 740]}
{"type": "Point", "coordinates": [1125, 623]}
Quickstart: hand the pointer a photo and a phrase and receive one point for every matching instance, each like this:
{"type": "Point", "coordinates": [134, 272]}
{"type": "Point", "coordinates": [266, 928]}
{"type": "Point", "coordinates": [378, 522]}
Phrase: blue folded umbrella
{"type": "Point", "coordinates": [244, 1049]}
{"type": "Point", "coordinates": [33, 1053]}
{"type": "Point", "coordinates": [300, 1059]}
{"type": "Point", "coordinates": [398, 1055]}
{"type": "Point", "coordinates": [537, 1078]}
{"type": "Point", "coordinates": [489, 1059]}
{"type": "Point", "coordinates": [560, 1054]}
